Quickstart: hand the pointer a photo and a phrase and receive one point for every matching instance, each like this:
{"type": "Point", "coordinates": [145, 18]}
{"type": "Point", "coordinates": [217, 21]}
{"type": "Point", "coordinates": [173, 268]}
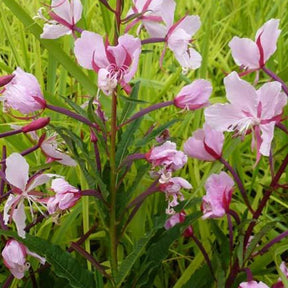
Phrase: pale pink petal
{"type": "Point", "coordinates": [267, 137]}
{"type": "Point", "coordinates": [9, 202]}
{"type": "Point", "coordinates": [19, 217]}
{"type": "Point", "coordinates": [68, 200]}
{"type": "Point", "coordinates": [178, 41]}
{"type": "Point", "coordinates": [214, 139]}
{"type": "Point", "coordinates": [63, 9]}
{"type": "Point", "coordinates": [173, 220]}
{"type": "Point", "coordinates": [272, 100]}
{"type": "Point", "coordinates": [245, 52]}
{"type": "Point", "coordinates": [253, 284]}
{"type": "Point", "coordinates": [51, 31]}
{"type": "Point", "coordinates": [194, 95]}
{"type": "Point", "coordinates": [182, 182]}
{"type": "Point", "coordinates": [167, 10]}
{"type": "Point", "coordinates": [17, 170]}
{"type": "Point", "coordinates": [39, 180]}
{"type": "Point", "coordinates": [224, 117]}
{"type": "Point", "coordinates": [86, 46]}
{"type": "Point", "coordinates": [240, 93]}
{"type": "Point", "coordinates": [42, 260]}
{"type": "Point", "coordinates": [191, 59]}
{"type": "Point", "coordinates": [77, 10]}
{"type": "Point", "coordinates": [190, 24]}
{"type": "Point", "coordinates": [155, 30]}
{"type": "Point", "coordinates": [269, 35]}
{"type": "Point", "coordinates": [59, 185]}
{"type": "Point", "coordinates": [194, 147]}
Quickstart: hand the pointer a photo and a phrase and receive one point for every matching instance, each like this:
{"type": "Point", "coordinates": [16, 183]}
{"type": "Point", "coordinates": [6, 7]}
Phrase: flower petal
{"type": "Point", "coordinates": [17, 170]}
{"type": "Point", "coordinates": [245, 52]}
{"type": "Point", "coordinates": [62, 9]}
{"type": "Point", "coordinates": [77, 10]}
{"type": "Point", "coordinates": [267, 137]}
{"type": "Point", "coordinates": [19, 217]}
{"type": "Point", "coordinates": [8, 204]}
{"type": "Point", "coordinates": [59, 185]}
{"type": "Point", "coordinates": [51, 31]}
{"type": "Point", "coordinates": [269, 35]}
{"type": "Point", "coordinates": [191, 59]}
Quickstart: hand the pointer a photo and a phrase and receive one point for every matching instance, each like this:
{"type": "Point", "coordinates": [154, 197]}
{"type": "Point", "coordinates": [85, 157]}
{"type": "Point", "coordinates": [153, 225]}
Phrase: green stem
{"type": "Point", "coordinates": [113, 224]}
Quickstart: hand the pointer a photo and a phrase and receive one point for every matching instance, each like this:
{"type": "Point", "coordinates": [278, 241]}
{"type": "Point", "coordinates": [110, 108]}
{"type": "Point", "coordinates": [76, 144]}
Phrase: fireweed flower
{"type": "Point", "coordinates": [249, 108]}
{"type": "Point", "coordinates": [114, 64]}
{"type": "Point", "coordinates": [178, 218]}
{"type": "Point", "coordinates": [14, 255]}
{"type": "Point", "coordinates": [215, 204]}
{"type": "Point", "coordinates": [66, 196]}
{"type": "Point", "coordinates": [152, 14]}
{"type": "Point", "coordinates": [254, 55]}
{"type": "Point", "coordinates": [65, 15]}
{"type": "Point", "coordinates": [167, 158]}
{"type": "Point", "coordinates": [178, 39]}
{"type": "Point", "coordinates": [23, 93]}
{"type": "Point", "coordinates": [205, 144]}
{"type": "Point", "coordinates": [17, 175]}
{"type": "Point", "coordinates": [172, 191]}
{"type": "Point", "coordinates": [194, 96]}
{"type": "Point", "coordinates": [253, 284]}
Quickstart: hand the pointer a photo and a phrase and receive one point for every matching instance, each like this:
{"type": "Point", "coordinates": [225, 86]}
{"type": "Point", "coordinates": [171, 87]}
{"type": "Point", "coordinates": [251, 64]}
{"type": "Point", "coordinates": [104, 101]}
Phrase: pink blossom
{"type": "Point", "coordinates": [17, 175]}
{"type": "Point", "coordinates": [66, 196]}
{"type": "Point", "coordinates": [23, 93]}
{"type": "Point", "coordinates": [253, 284]}
{"type": "Point", "coordinates": [14, 255]}
{"type": "Point", "coordinates": [205, 144]}
{"type": "Point", "coordinates": [254, 55]}
{"type": "Point", "coordinates": [194, 95]}
{"type": "Point", "coordinates": [65, 15]}
{"type": "Point", "coordinates": [114, 64]}
{"type": "Point", "coordinates": [172, 190]}
{"type": "Point", "coordinates": [215, 203]}
{"type": "Point", "coordinates": [249, 108]}
{"type": "Point", "coordinates": [152, 13]}
{"type": "Point", "coordinates": [178, 218]}
{"type": "Point", "coordinates": [49, 147]}
{"type": "Point", "coordinates": [178, 39]}
{"type": "Point", "coordinates": [167, 156]}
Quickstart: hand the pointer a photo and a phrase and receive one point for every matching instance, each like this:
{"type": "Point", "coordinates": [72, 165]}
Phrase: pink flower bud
{"type": "Point", "coordinates": [14, 255]}
{"type": "Point", "coordinates": [4, 80]}
{"type": "Point", "coordinates": [194, 95]}
{"type": "Point", "coordinates": [179, 218]}
{"type": "Point", "coordinates": [23, 93]}
{"type": "Point", "coordinates": [36, 125]}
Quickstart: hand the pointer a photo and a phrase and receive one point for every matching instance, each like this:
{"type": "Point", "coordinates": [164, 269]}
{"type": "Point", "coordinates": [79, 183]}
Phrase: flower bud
{"type": "Point", "coordinates": [36, 125]}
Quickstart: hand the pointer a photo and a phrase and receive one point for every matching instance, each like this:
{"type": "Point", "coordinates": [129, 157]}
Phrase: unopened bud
{"type": "Point", "coordinates": [36, 125]}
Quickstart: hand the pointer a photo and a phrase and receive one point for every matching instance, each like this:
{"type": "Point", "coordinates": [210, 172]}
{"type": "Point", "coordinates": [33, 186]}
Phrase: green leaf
{"type": "Point", "coordinates": [126, 139]}
{"type": "Point", "coordinates": [64, 264]}
{"type": "Point", "coordinates": [51, 46]}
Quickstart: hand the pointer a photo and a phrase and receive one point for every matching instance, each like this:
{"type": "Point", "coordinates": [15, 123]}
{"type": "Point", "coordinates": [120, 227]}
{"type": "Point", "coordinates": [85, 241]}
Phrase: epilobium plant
{"type": "Point", "coordinates": [107, 166]}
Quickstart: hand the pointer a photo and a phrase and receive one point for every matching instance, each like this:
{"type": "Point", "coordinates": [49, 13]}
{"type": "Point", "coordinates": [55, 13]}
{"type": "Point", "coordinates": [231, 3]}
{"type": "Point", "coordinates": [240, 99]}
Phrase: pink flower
{"type": "Point", "coordinates": [65, 198]}
{"type": "Point", "coordinates": [194, 95]}
{"type": "Point", "coordinates": [152, 13]}
{"type": "Point", "coordinates": [114, 64]}
{"type": "Point", "coordinates": [167, 156]}
{"type": "Point", "coordinates": [178, 218]}
{"type": "Point", "coordinates": [23, 93]}
{"type": "Point", "coordinates": [205, 144]}
{"type": "Point", "coordinates": [172, 190]}
{"type": "Point", "coordinates": [254, 55]}
{"type": "Point", "coordinates": [17, 175]}
{"type": "Point", "coordinates": [249, 108]}
{"type": "Point", "coordinates": [252, 284]}
{"type": "Point", "coordinates": [49, 147]}
{"type": "Point", "coordinates": [178, 39]}
{"type": "Point", "coordinates": [215, 203]}
{"type": "Point", "coordinates": [65, 15]}
{"type": "Point", "coordinates": [14, 255]}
